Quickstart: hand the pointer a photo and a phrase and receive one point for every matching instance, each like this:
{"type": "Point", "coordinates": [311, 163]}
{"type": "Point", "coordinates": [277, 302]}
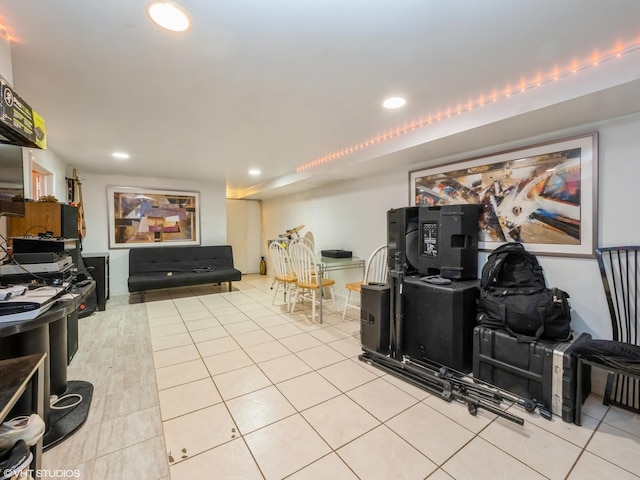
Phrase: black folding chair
{"type": "Point", "coordinates": [619, 268]}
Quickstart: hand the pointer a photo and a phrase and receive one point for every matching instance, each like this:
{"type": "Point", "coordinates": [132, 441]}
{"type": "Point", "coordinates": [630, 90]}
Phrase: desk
{"type": "Point", "coordinates": [15, 376]}
{"type": "Point", "coordinates": [47, 333]}
{"type": "Point", "coordinates": [326, 264]}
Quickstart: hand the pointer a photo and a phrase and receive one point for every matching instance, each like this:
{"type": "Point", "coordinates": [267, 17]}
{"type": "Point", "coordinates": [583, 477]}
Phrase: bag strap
{"type": "Point", "coordinates": [497, 260]}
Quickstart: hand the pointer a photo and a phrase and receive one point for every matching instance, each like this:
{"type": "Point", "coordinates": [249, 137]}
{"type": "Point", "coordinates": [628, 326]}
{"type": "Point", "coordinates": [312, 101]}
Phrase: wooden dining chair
{"type": "Point", "coordinates": [284, 276]}
{"type": "Point", "coordinates": [305, 269]}
{"type": "Point", "coordinates": [304, 240]}
{"type": "Point", "coordinates": [375, 271]}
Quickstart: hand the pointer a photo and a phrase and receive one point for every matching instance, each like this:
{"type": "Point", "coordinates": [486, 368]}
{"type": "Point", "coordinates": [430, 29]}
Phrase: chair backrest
{"type": "Point", "coordinates": [305, 241]}
{"type": "Point", "coordinates": [309, 237]}
{"type": "Point", "coordinates": [303, 261]}
{"type": "Point", "coordinates": [377, 268]}
{"type": "Point", "coordinates": [620, 274]}
{"type": "Point", "coordinates": [280, 259]}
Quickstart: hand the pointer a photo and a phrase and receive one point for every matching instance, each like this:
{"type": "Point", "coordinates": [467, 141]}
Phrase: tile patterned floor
{"type": "Point", "coordinates": [224, 385]}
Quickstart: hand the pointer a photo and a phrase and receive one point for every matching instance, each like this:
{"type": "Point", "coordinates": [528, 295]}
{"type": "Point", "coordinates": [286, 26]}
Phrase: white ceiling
{"type": "Point", "coordinates": [277, 84]}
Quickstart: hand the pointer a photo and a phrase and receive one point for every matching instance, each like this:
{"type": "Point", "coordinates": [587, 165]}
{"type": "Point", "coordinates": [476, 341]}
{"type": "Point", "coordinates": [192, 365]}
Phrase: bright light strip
{"type": "Point", "coordinates": [169, 16]}
{"type": "Point", "coordinates": [394, 102]}
{"type": "Point", "coordinates": [574, 68]}
{"type": "Point", "coordinates": [120, 155]}
{"type": "Point", "coordinates": [254, 171]}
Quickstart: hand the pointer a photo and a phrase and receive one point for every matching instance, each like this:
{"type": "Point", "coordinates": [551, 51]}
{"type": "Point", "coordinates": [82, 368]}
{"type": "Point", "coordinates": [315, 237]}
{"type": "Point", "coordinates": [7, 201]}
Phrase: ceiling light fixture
{"type": "Point", "coordinates": [169, 16]}
{"type": "Point", "coordinates": [394, 102]}
{"type": "Point", "coordinates": [254, 172]}
{"type": "Point", "coordinates": [120, 155]}
{"type": "Point", "coordinates": [595, 61]}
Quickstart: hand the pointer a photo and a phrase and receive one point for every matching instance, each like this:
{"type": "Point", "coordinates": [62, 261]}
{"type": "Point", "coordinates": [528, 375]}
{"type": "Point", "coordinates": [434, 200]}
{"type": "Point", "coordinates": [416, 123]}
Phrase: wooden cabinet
{"type": "Point", "coordinates": [20, 375]}
{"type": "Point", "coordinates": [41, 217]}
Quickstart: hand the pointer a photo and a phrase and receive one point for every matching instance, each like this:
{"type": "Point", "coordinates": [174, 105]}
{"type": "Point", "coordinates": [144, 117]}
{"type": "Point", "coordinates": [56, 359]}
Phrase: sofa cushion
{"type": "Point", "coordinates": [164, 267]}
{"type": "Point", "coordinates": [151, 281]}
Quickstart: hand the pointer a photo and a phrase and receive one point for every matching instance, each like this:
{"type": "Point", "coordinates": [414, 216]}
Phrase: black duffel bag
{"type": "Point", "coordinates": [526, 313]}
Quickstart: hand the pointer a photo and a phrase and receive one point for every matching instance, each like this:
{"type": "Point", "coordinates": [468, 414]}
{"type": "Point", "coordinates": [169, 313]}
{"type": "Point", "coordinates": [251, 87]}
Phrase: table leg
{"type": "Point", "coordinates": [320, 289]}
{"type": "Point", "coordinates": [37, 399]}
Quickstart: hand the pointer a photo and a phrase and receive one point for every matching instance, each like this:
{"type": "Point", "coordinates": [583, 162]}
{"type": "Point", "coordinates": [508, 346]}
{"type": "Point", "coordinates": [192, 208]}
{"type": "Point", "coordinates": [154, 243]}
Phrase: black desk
{"type": "Point", "coordinates": [15, 376]}
{"type": "Point", "coordinates": [47, 333]}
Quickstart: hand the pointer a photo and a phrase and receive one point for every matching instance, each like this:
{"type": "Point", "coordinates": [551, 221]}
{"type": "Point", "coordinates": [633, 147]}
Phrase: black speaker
{"type": "Point", "coordinates": [68, 221]}
{"type": "Point", "coordinates": [374, 317]}
{"type": "Point", "coordinates": [72, 336]}
{"type": "Point", "coordinates": [99, 262]}
{"type": "Point", "coordinates": [402, 237]}
{"type": "Point", "coordinates": [58, 350]}
{"type": "Point", "coordinates": [448, 243]}
{"type": "Point", "coordinates": [438, 321]}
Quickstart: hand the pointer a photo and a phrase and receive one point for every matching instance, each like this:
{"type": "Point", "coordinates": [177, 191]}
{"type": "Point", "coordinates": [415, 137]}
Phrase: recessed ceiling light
{"type": "Point", "coordinates": [169, 16]}
{"type": "Point", "coordinates": [254, 171]}
{"type": "Point", "coordinates": [120, 155]}
{"type": "Point", "coordinates": [394, 102]}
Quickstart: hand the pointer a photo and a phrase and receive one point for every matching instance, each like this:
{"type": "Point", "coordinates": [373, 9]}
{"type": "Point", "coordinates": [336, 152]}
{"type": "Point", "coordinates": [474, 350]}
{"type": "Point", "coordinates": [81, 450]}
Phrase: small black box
{"type": "Point", "coordinates": [374, 317]}
{"type": "Point", "coordinates": [336, 253]}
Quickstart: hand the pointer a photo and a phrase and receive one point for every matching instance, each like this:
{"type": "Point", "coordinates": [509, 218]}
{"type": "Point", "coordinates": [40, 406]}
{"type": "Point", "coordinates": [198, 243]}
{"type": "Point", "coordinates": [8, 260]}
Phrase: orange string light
{"type": "Point", "coordinates": [575, 67]}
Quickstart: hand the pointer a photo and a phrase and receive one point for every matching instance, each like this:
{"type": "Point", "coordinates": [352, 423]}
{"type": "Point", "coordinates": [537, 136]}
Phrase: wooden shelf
{"type": "Point", "coordinates": [15, 376]}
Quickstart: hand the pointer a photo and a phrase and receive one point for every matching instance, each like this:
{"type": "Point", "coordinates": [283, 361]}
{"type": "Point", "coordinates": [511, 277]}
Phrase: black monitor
{"type": "Point", "coordinates": [11, 180]}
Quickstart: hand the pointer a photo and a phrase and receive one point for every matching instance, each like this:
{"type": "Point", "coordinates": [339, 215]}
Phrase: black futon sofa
{"type": "Point", "coordinates": [152, 268]}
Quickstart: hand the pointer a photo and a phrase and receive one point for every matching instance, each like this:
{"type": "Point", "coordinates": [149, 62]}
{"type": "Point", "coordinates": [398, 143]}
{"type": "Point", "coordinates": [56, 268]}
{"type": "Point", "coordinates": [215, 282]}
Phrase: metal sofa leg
{"type": "Point", "coordinates": [142, 296]}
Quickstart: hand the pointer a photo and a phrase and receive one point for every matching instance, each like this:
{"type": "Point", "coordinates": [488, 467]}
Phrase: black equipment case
{"type": "Point", "coordinates": [542, 370]}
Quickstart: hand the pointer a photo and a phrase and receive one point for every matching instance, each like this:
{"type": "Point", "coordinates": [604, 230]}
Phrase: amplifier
{"type": "Point", "coordinates": [43, 244]}
{"type": "Point", "coordinates": [55, 266]}
{"type": "Point", "coordinates": [55, 278]}
{"type": "Point", "coordinates": [37, 257]}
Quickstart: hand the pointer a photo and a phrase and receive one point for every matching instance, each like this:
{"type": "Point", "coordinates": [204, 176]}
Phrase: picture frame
{"type": "Point", "coordinates": [544, 196]}
{"type": "Point", "coordinates": [143, 217]}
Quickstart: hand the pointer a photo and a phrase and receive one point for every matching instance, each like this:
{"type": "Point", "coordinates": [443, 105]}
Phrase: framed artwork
{"type": "Point", "coordinates": [544, 196]}
{"type": "Point", "coordinates": [140, 217]}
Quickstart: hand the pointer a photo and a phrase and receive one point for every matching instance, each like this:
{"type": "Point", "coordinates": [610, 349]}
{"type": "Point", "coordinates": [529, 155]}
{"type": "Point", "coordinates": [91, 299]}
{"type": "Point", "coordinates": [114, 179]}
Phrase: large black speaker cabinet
{"type": "Point", "coordinates": [100, 273]}
{"type": "Point", "coordinates": [374, 317]}
{"type": "Point", "coordinates": [438, 322]}
{"type": "Point", "coordinates": [448, 243]}
{"type": "Point", "coordinates": [402, 237]}
{"type": "Point", "coordinates": [72, 336]}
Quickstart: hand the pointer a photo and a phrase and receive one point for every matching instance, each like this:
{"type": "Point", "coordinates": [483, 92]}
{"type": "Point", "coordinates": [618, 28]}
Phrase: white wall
{"type": "Point", "coordinates": [6, 70]}
{"type": "Point", "coordinates": [244, 234]}
{"type": "Point", "coordinates": [213, 217]}
{"type": "Point", "coordinates": [6, 67]}
{"type": "Point", "coordinates": [54, 164]}
{"type": "Point", "coordinates": [349, 215]}
{"type": "Point", "coordinates": [352, 215]}
{"type": "Point", "coordinates": [47, 158]}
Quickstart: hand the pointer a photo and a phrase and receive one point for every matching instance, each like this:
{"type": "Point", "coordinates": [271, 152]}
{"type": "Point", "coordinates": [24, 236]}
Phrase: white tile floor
{"type": "Point", "coordinates": [195, 384]}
